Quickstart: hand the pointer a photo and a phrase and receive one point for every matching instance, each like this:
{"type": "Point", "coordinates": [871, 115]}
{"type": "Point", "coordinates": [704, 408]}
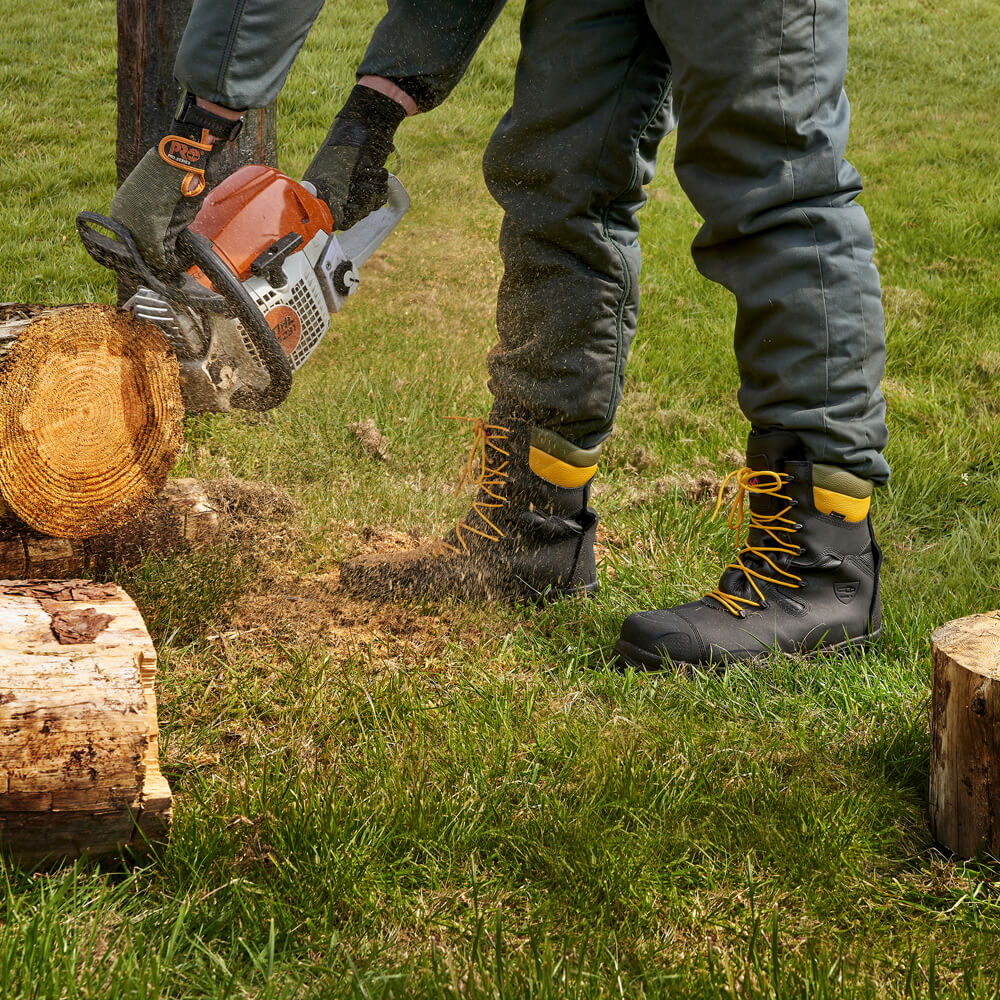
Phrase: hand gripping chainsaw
{"type": "Point", "coordinates": [266, 271]}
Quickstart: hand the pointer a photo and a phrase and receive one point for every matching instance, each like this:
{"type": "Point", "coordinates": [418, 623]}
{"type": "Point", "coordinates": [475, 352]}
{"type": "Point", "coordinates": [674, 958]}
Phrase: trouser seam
{"type": "Point", "coordinates": [826, 328]}
{"type": "Point", "coordinates": [866, 352]}
{"type": "Point", "coordinates": [227, 53]}
{"type": "Point", "coordinates": [627, 279]}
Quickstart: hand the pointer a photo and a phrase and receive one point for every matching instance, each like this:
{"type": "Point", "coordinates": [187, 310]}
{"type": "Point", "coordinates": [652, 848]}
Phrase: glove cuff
{"type": "Point", "coordinates": [191, 120]}
{"type": "Point", "coordinates": [368, 117]}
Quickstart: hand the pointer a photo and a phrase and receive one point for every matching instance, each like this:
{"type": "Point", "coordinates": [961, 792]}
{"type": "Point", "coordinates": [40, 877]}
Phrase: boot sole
{"type": "Point", "coordinates": [628, 655]}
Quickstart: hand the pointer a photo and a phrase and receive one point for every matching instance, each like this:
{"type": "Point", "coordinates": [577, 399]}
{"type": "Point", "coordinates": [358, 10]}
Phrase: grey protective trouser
{"type": "Point", "coordinates": [762, 121]}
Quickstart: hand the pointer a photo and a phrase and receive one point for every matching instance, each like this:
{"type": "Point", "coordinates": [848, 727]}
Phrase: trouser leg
{"type": "Point", "coordinates": [239, 53]}
{"type": "Point", "coordinates": [762, 126]}
{"type": "Point", "coordinates": [567, 164]}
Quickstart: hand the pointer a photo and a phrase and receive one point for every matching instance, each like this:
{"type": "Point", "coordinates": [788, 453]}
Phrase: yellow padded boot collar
{"type": "Point", "coordinates": [560, 462]}
{"type": "Point", "coordinates": [837, 491]}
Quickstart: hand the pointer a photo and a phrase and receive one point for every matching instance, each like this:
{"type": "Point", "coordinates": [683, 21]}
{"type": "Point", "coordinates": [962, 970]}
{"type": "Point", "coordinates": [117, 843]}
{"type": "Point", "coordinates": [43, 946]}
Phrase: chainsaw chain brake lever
{"type": "Point", "coordinates": [115, 249]}
{"type": "Point", "coordinates": [199, 250]}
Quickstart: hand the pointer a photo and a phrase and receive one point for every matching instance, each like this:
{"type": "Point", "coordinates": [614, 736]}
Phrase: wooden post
{"type": "Point", "coordinates": [965, 735]}
{"type": "Point", "coordinates": [149, 35]}
{"type": "Point", "coordinates": [79, 767]}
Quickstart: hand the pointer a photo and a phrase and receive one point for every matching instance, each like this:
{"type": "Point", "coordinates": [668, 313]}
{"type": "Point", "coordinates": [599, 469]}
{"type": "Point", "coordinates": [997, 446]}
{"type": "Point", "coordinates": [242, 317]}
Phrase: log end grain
{"type": "Point", "coordinates": [90, 419]}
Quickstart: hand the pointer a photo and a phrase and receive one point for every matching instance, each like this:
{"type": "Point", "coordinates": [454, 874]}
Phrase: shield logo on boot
{"type": "Point", "coordinates": [845, 591]}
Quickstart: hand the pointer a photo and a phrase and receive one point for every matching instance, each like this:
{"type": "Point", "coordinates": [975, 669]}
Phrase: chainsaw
{"type": "Point", "coordinates": [265, 271]}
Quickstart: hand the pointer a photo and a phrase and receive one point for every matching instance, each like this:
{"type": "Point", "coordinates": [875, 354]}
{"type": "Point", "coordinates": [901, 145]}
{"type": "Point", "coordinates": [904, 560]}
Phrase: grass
{"type": "Point", "coordinates": [461, 801]}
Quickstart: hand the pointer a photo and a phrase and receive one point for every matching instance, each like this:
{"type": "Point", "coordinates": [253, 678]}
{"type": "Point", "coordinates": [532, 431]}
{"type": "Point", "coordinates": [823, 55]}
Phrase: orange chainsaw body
{"type": "Point", "coordinates": [252, 209]}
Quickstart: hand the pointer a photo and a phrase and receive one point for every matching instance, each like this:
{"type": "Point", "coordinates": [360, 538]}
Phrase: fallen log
{"type": "Point", "coordinates": [965, 735]}
{"type": "Point", "coordinates": [90, 417]}
{"type": "Point", "coordinates": [79, 769]}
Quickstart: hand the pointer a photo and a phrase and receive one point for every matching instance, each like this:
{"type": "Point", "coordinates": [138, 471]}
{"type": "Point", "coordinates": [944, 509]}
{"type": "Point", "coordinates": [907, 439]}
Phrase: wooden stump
{"type": "Point", "coordinates": [965, 735]}
{"type": "Point", "coordinates": [79, 771]}
{"type": "Point", "coordinates": [90, 417]}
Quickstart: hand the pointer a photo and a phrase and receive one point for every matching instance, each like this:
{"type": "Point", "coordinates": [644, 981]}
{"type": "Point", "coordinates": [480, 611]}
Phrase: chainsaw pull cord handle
{"type": "Point", "coordinates": [199, 250]}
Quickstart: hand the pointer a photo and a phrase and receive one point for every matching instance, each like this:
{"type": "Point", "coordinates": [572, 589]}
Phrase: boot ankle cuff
{"type": "Point", "coordinates": [838, 480]}
{"type": "Point", "coordinates": [839, 492]}
{"type": "Point", "coordinates": [560, 462]}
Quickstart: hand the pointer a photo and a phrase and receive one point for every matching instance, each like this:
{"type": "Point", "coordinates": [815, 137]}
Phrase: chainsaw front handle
{"type": "Point", "coordinates": [199, 250]}
{"type": "Point", "coordinates": [364, 237]}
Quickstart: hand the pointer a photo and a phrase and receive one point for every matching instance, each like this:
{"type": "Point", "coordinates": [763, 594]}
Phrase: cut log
{"type": "Point", "coordinates": [79, 769]}
{"type": "Point", "coordinates": [90, 417]}
{"type": "Point", "coordinates": [965, 735]}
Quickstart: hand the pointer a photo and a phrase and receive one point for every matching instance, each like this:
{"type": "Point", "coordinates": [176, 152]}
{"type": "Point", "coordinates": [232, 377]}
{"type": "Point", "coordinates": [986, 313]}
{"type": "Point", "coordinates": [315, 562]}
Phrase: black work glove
{"type": "Point", "coordinates": [349, 171]}
{"type": "Point", "coordinates": [162, 195]}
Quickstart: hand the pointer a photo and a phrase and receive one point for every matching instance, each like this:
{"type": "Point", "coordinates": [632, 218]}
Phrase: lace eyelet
{"type": "Point", "coordinates": [791, 477]}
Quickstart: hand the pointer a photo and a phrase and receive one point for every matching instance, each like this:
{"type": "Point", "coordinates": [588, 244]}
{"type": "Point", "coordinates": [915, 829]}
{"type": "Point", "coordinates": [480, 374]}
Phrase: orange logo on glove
{"type": "Point", "coordinates": [190, 157]}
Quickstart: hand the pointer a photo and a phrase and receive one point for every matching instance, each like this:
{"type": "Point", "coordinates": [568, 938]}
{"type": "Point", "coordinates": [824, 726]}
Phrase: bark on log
{"type": "Point", "coordinates": [182, 518]}
{"type": "Point", "coordinates": [90, 416]}
{"type": "Point", "coordinates": [79, 769]}
{"type": "Point", "coordinates": [965, 735]}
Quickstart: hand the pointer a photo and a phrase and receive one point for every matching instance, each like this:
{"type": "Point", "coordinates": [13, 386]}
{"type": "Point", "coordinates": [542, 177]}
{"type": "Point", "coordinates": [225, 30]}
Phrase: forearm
{"type": "Point", "coordinates": [424, 48]}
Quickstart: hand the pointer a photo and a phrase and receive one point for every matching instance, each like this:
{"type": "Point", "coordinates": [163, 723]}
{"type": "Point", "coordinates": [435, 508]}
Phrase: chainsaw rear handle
{"type": "Point", "coordinates": [199, 250]}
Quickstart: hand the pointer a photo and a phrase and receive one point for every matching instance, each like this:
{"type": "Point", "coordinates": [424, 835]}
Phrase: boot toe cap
{"type": "Point", "coordinates": [654, 639]}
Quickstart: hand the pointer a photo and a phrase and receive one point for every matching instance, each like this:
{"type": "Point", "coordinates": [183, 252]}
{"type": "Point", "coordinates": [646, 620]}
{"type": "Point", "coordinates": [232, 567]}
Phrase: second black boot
{"type": "Point", "coordinates": [529, 534]}
{"type": "Point", "coordinates": [806, 579]}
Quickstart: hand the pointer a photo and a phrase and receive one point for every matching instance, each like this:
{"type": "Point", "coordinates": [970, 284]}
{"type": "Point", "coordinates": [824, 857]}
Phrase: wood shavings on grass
{"type": "Point", "coordinates": [373, 442]}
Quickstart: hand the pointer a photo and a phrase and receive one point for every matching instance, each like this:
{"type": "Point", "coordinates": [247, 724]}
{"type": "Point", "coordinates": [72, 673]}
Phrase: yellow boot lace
{"type": "Point", "coordinates": [775, 526]}
{"type": "Point", "coordinates": [486, 468]}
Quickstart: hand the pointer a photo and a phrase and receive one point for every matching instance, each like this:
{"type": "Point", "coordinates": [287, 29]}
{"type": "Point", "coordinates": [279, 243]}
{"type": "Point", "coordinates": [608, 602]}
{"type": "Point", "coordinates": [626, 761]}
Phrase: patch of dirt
{"type": "Point", "coordinates": [255, 517]}
{"type": "Point", "coordinates": [312, 609]}
{"type": "Point", "coordinates": [245, 501]}
{"type": "Point", "coordinates": [369, 538]}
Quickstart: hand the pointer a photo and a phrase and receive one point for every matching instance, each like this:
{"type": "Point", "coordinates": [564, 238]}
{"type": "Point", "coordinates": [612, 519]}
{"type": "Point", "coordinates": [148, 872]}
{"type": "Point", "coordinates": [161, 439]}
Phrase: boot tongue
{"type": "Point", "coordinates": [765, 453]}
{"type": "Point", "coordinates": [768, 453]}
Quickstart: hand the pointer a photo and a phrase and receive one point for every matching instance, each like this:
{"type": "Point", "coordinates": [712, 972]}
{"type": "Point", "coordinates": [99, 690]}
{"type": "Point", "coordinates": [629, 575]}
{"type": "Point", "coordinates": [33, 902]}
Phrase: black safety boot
{"type": "Point", "coordinates": [806, 579]}
{"type": "Point", "coordinates": [528, 536]}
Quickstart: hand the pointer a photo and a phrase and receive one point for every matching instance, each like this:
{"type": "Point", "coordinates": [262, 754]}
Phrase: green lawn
{"type": "Point", "coordinates": [445, 801]}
